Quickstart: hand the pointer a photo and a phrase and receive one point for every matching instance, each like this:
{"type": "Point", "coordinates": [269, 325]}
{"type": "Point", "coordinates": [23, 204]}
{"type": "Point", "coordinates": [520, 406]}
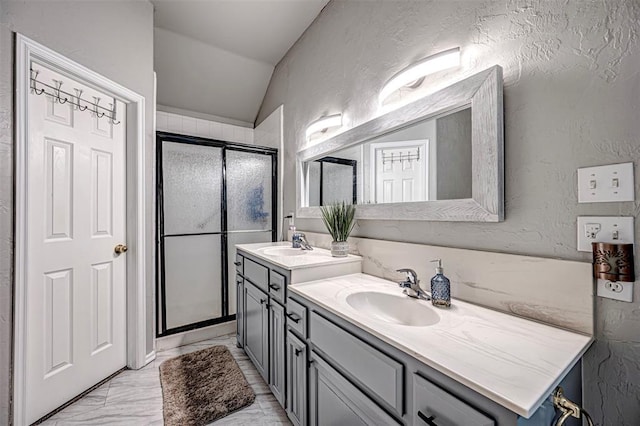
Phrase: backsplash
{"type": "Point", "coordinates": [183, 125]}
{"type": "Point", "coordinates": [520, 285]}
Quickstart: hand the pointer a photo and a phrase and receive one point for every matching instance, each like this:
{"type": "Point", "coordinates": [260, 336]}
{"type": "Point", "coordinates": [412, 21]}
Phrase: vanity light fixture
{"type": "Point", "coordinates": [414, 74]}
{"type": "Point", "coordinates": [323, 124]}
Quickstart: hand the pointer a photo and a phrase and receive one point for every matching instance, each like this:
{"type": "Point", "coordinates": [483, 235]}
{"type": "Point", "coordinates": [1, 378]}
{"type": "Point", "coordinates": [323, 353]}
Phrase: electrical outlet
{"type": "Point", "coordinates": [605, 229]}
{"type": "Point", "coordinates": [617, 290]}
{"type": "Point", "coordinates": [605, 184]}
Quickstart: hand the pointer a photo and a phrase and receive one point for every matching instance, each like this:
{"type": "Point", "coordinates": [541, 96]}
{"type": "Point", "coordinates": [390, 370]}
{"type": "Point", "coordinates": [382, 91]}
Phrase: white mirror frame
{"type": "Point", "coordinates": [483, 91]}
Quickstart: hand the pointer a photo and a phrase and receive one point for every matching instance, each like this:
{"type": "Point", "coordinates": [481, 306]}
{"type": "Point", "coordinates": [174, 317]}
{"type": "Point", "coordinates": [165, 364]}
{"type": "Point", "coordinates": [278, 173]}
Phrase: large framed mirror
{"type": "Point", "coordinates": [440, 158]}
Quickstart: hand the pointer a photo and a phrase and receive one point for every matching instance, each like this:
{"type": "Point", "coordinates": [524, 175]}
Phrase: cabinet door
{"type": "Point", "coordinates": [256, 328]}
{"type": "Point", "coordinates": [277, 351]}
{"type": "Point", "coordinates": [240, 311]}
{"type": "Point", "coordinates": [434, 405]}
{"type": "Point", "coordinates": [333, 400]}
{"type": "Point", "coordinates": [296, 380]}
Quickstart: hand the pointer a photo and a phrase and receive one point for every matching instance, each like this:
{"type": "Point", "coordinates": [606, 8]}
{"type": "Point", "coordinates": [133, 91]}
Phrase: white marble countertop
{"type": "Point", "coordinates": [313, 258]}
{"type": "Point", "coordinates": [513, 361]}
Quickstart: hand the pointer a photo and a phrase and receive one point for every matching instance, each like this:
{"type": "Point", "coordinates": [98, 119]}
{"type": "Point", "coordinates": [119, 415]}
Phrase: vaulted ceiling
{"type": "Point", "coordinates": [217, 56]}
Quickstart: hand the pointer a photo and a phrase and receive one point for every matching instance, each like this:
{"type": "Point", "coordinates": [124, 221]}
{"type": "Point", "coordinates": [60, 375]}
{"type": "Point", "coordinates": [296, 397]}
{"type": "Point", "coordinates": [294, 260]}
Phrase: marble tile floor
{"type": "Point", "coordinates": [134, 397]}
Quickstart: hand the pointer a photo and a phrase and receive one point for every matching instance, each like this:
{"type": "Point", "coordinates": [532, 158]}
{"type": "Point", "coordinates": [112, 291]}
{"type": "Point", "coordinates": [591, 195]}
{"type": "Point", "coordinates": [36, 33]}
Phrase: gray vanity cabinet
{"type": "Point", "coordinates": [296, 379]}
{"type": "Point", "coordinates": [324, 370]}
{"type": "Point", "coordinates": [256, 327]}
{"type": "Point", "coordinates": [277, 348]}
{"type": "Point", "coordinates": [262, 319]}
{"type": "Point", "coordinates": [357, 379]}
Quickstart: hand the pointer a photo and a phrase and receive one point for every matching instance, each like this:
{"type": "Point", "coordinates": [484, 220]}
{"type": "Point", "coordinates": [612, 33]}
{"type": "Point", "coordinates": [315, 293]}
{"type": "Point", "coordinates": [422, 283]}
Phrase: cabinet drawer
{"type": "Point", "coordinates": [433, 404]}
{"type": "Point", "coordinates": [277, 286]}
{"type": "Point", "coordinates": [377, 372]}
{"type": "Point", "coordinates": [257, 274]}
{"type": "Point", "coordinates": [297, 317]}
{"type": "Point", "coordinates": [239, 262]}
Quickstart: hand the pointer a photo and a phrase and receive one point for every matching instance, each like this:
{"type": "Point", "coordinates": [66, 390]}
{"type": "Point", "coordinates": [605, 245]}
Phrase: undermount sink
{"type": "Point", "coordinates": [284, 251]}
{"type": "Point", "coordinates": [401, 310]}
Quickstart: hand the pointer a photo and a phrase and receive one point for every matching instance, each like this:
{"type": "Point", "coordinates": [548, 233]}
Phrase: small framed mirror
{"type": "Point", "coordinates": [439, 158]}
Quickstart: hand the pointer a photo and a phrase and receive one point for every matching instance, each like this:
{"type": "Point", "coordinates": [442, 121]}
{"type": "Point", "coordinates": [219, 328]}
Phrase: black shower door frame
{"type": "Point", "coordinates": [161, 321]}
{"type": "Point", "coordinates": [343, 162]}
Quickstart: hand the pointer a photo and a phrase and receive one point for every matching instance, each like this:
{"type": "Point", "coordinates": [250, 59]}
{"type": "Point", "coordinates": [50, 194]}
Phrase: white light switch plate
{"type": "Point", "coordinates": [605, 228]}
{"type": "Point", "coordinates": [617, 290]}
{"type": "Point", "coordinates": [605, 184]}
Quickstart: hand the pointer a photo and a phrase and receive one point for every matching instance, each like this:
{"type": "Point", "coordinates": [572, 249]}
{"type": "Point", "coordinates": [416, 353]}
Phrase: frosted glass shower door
{"type": "Point", "coordinates": [250, 202]}
{"type": "Point", "coordinates": [212, 195]}
{"type": "Point", "coordinates": [191, 234]}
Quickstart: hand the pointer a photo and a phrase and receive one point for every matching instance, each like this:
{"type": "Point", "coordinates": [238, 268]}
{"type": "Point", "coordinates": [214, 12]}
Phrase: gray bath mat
{"type": "Point", "coordinates": [202, 386]}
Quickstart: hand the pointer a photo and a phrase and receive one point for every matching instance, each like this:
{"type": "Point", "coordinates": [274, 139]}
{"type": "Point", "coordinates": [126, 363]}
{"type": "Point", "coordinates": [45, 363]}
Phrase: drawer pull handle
{"type": "Point", "coordinates": [427, 420]}
{"type": "Point", "coordinates": [237, 263]}
{"type": "Point", "coordinates": [274, 286]}
{"type": "Point", "coordinates": [262, 301]}
{"type": "Point", "coordinates": [295, 318]}
{"type": "Point", "coordinates": [297, 351]}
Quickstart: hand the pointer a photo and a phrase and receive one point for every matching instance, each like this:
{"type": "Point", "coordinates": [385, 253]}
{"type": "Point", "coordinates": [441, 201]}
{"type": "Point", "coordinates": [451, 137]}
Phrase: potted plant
{"type": "Point", "coordinates": [339, 219]}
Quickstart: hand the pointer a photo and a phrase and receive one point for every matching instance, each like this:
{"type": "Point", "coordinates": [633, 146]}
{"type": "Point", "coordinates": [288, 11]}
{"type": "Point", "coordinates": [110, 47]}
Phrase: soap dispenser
{"type": "Point", "coordinates": [295, 235]}
{"type": "Point", "coordinates": [440, 288]}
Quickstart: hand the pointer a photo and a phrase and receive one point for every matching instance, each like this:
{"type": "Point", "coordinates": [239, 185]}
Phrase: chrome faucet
{"type": "Point", "coordinates": [299, 240]}
{"type": "Point", "coordinates": [412, 285]}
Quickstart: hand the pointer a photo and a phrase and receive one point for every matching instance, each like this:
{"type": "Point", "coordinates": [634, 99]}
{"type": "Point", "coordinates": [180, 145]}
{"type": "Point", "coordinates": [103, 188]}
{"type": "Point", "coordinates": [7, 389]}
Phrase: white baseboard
{"type": "Point", "coordinates": [193, 336]}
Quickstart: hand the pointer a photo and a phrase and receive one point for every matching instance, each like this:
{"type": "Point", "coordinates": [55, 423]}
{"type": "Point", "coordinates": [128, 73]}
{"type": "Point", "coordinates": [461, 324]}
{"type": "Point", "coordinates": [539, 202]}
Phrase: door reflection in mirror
{"type": "Point", "coordinates": [427, 160]}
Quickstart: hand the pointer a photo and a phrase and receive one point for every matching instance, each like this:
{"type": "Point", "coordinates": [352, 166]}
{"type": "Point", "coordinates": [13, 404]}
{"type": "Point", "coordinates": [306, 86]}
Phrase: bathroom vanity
{"type": "Point", "coordinates": [349, 348]}
{"type": "Point", "coordinates": [263, 273]}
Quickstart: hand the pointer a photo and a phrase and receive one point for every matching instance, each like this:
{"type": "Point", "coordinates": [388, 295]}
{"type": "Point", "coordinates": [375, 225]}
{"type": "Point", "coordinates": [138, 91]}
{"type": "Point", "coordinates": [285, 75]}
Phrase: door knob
{"type": "Point", "coordinates": [120, 248]}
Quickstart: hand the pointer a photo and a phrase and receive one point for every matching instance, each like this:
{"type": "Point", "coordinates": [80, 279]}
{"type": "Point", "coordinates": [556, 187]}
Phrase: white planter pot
{"type": "Point", "coordinates": [339, 248]}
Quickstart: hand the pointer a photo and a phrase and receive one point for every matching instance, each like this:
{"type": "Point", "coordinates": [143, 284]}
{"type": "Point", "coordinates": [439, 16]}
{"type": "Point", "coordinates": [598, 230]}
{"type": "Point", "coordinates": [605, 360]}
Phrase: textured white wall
{"type": "Point", "coordinates": [112, 38]}
{"type": "Point", "coordinates": [572, 96]}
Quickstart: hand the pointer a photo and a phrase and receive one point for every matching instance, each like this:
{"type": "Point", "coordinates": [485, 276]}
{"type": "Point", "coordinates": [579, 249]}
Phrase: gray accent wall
{"type": "Point", "coordinates": [199, 77]}
{"type": "Point", "coordinates": [572, 96]}
{"type": "Point", "coordinates": [114, 39]}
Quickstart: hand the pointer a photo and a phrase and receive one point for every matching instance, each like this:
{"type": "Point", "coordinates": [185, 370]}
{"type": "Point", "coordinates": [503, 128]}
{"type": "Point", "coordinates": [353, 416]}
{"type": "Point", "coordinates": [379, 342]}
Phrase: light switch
{"type": "Point", "coordinates": [604, 229]}
{"type": "Point", "coordinates": [606, 184]}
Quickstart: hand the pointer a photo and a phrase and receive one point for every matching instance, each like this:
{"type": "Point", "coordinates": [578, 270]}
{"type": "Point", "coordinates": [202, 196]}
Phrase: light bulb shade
{"type": "Point", "coordinates": [323, 124]}
{"type": "Point", "coordinates": [414, 72]}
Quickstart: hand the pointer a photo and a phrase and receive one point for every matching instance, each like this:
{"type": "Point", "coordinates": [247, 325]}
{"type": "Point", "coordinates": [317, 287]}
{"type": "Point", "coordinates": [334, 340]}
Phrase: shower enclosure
{"type": "Point", "coordinates": [211, 196]}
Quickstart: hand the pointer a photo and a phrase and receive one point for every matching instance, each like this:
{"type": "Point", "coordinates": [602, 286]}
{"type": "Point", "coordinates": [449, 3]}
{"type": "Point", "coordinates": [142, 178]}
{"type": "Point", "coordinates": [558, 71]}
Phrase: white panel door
{"type": "Point", "coordinates": [75, 288]}
{"type": "Point", "coordinates": [401, 181]}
